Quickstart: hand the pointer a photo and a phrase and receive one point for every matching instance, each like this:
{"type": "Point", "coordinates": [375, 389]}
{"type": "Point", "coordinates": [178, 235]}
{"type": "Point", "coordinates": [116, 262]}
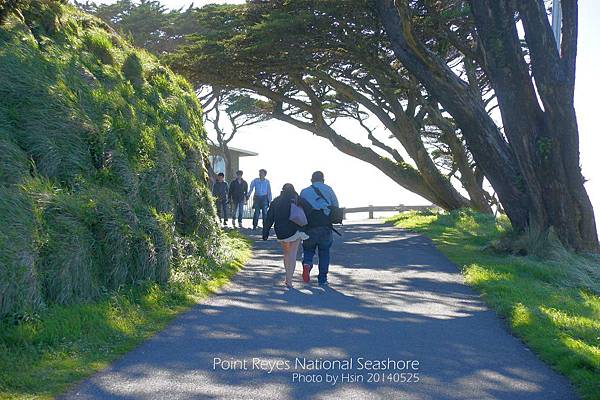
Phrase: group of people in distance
{"type": "Point", "coordinates": [237, 195]}
{"type": "Point", "coordinates": [315, 233]}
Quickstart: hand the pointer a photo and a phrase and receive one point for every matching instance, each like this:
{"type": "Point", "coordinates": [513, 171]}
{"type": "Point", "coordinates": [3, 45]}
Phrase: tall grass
{"type": "Point", "coordinates": [41, 357]}
{"type": "Point", "coordinates": [19, 284]}
{"type": "Point", "coordinates": [102, 152]}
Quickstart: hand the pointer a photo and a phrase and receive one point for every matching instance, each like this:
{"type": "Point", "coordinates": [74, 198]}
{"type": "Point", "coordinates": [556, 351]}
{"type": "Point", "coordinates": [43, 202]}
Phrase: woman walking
{"type": "Point", "coordinates": [289, 233]}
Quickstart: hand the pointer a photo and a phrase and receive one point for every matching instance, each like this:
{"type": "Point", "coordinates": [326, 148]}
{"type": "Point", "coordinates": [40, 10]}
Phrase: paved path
{"type": "Point", "coordinates": [392, 295]}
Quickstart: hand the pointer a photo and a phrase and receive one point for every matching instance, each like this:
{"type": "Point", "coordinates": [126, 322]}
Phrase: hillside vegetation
{"type": "Point", "coordinates": [102, 155]}
{"type": "Point", "coordinates": [107, 228]}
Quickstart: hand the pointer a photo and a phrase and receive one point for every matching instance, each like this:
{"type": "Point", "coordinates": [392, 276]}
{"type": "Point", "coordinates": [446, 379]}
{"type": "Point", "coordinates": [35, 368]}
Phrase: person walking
{"type": "Point", "coordinates": [288, 232]}
{"type": "Point", "coordinates": [238, 192]}
{"type": "Point", "coordinates": [220, 191]}
{"type": "Point", "coordinates": [262, 196]}
{"type": "Point", "coordinates": [319, 197]}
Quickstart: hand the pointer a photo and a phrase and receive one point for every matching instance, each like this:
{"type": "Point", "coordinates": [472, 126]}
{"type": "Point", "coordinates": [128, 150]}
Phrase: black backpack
{"type": "Point", "coordinates": [336, 214]}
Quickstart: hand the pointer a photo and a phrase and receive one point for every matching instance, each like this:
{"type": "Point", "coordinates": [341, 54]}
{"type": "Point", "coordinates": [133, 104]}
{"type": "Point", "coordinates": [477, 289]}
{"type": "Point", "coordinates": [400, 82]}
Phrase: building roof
{"type": "Point", "coordinates": [244, 153]}
{"type": "Point", "coordinates": [241, 152]}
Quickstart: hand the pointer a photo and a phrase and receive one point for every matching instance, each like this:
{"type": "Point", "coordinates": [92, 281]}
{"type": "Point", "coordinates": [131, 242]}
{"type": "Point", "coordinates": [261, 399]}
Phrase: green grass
{"type": "Point", "coordinates": [99, 45]}
{"type": "Point", "coordinates": [108, 228]}
{"type": "Point", "coordinates": [102, 163]}
{"type": "Point", "coordinates": [552, 302]}
{"type": "Point", "coordinates": [42, 357]}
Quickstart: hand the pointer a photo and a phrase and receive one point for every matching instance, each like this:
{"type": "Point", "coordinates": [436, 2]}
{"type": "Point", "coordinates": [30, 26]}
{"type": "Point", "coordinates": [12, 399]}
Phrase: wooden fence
{"type": "Point", "coordinates": [248, 211]}
{"type": "Point", "coordinates": [400, 208]}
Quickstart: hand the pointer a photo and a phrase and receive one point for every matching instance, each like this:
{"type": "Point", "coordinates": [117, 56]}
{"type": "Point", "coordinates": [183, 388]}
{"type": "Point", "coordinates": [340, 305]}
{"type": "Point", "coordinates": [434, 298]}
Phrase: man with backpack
{"type": "Point", "coordinates": [324, 210]}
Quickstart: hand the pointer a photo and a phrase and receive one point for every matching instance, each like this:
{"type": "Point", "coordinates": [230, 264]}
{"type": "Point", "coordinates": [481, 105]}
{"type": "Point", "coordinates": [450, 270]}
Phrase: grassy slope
{"type": "Point", "coordinates": [553, 305]}
{"type": "Point", "coordinates": [108, 228]}
{"type": "Point", "coordinates": [40, 359]}
{"type": "Point", "coordinates": [102, 163]}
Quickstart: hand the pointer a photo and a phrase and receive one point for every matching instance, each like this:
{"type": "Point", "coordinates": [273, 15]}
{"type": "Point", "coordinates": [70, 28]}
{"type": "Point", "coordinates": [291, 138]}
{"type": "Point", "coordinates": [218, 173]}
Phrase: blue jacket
{"type": "Point", "coordinates": [263, 188]}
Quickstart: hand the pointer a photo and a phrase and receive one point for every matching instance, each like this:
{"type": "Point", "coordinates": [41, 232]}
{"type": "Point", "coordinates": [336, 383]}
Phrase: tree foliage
{"type": "Point", "coordinates": [319, 61]}
{"type": "Point", "coordinates": [148, 23]}
{"type": "Point", "coordinates": [228, 111]}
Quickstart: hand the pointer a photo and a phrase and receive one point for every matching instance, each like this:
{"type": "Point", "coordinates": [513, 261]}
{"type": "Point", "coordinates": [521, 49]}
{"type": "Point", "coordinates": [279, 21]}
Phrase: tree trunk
{"type": "Point", "coordinates": [544, 140]}
{"type": "Point", "coordinates": [485, 142]}
{"type": "Point", "coordinates": [438, 183]}
{"type": "Point", "coordinates": [536, 174]}
{"type": "Point", "coordinates": [403, 174]}
{"type": "Point", "coordinates": [472, 184]}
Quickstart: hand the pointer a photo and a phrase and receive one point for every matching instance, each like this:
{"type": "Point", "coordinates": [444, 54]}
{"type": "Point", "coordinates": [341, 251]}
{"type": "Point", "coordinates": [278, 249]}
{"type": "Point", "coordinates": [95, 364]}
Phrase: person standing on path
{"type": "Point", "coordinates": [319, 198]}
{"type": "Point", "coordinates": [238, 193]}
{"type": "Point", "coordinates": [262, 196]}
{"type": "Point", "coordinates": [288, 232]}
{"type": "Point", "coordinates": [220, 191]}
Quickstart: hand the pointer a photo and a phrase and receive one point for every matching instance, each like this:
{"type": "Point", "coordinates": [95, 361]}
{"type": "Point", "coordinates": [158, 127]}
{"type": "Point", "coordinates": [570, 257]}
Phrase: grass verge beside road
{"type": "Point", "coordinates": [45, 355]}
{"type": "Point", "coordinates": [551, 301]}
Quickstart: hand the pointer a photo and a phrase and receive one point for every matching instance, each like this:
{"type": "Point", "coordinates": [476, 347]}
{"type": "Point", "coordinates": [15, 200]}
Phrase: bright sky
{"type": "Point", "coordinates": [290, 154]}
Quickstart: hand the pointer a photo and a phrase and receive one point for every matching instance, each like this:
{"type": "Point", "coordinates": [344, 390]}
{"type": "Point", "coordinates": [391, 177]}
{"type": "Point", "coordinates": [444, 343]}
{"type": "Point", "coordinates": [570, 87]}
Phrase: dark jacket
{"type": "Point", "coordinates": [279, 215]}
{"type": "Point", "coordinates": [238, 190]}
{"type": "Point", "coordinates": [220, 190]}
{"type": "Point", "coordinates": [316, 217]}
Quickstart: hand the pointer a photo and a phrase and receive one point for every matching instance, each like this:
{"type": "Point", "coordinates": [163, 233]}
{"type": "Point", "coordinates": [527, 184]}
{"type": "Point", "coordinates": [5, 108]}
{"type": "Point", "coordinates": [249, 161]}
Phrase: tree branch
{"type": "Point", "coordinates": [376, 142]}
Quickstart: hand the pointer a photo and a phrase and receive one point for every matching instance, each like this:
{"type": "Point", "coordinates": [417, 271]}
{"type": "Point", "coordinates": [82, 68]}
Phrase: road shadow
{"type": "Point", "coordinates": [392, 295]}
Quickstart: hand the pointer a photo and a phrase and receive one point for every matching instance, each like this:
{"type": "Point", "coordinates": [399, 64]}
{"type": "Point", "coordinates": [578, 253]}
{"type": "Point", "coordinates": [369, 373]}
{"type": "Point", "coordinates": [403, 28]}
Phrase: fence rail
{"type": "Point", "coordinates": [248, 210]}
{"type": "Point", "coordinates": [399, 208]}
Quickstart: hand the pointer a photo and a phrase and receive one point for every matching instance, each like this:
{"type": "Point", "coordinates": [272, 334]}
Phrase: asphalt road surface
{"type": "Point", "coordinates": [396, 308]}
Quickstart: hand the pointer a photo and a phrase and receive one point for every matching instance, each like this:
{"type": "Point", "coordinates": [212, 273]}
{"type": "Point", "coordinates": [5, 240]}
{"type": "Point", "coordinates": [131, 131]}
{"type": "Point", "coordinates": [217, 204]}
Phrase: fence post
{"type": "Point", "coordinates": [371, 216]}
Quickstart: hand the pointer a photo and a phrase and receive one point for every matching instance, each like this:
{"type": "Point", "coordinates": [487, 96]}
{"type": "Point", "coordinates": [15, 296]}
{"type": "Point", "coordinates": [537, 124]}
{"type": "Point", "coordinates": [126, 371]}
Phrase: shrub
{"type": "Point", "coordinates": [100, 46]}
{"type": "Point", "coordinates": [9, 6]}
{"type": "Point", "coordinates": [133, 70]}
